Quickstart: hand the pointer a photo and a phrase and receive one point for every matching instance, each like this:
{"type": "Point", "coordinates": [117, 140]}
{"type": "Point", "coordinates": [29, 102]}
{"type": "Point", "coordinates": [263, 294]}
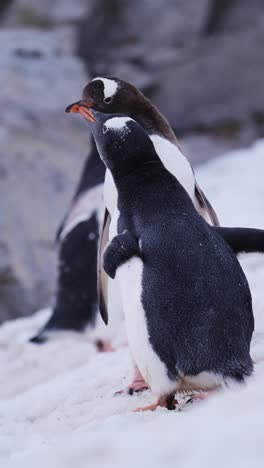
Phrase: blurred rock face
{"type": "Point", "coordinates": [40, 160]}
{"type": "Point", "coordinates": [44, 13]}
{"type": "Point", "coordinates": [135, 40]}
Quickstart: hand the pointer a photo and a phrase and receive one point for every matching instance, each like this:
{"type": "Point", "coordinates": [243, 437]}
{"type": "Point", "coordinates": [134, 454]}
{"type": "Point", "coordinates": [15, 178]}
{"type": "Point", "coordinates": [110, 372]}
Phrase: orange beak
{"type": "Point", "coordinates": [82, 107]}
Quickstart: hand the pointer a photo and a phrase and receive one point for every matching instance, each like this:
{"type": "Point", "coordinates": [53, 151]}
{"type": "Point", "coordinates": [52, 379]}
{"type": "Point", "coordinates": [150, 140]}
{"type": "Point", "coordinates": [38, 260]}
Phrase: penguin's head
{"type": "Point", "coordinates": [122, 143]}
{"type": "Point", "coordinates": [113, 96]}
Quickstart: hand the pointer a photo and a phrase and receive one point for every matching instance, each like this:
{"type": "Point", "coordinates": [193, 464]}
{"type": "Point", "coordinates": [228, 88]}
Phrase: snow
{"type": "Point", "coordinates": [57, 403]}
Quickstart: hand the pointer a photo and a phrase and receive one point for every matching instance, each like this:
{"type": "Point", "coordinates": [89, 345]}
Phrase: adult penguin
{"type": "Point", "coordinates": [186, 300]}
{"type": "Point", "coordinates": [77, 239]}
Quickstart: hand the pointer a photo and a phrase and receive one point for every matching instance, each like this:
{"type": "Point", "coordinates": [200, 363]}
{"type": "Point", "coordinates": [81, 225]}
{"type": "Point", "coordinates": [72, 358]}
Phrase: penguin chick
{"type": "Point", "coordinates": [186, 300]}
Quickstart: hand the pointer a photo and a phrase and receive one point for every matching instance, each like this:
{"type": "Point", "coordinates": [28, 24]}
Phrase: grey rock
{"type": "Point", "coordinates": [42, 151]}
{"type": "Point", "coordinates": [126, 39]}
{"type": "Point", "coordinates": [45, 12]}
{"type": "Point", "coordinates": [220, 84]}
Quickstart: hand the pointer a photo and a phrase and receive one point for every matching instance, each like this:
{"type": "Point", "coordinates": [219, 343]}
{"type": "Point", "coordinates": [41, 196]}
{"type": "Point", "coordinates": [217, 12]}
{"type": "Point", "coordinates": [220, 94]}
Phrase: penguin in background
{"type": "Point", "coordinates": [77, 239]}
{"type": "Point", "coordinates": [186, 300]}
{"type": "Point", "coordinates": [113, 96]}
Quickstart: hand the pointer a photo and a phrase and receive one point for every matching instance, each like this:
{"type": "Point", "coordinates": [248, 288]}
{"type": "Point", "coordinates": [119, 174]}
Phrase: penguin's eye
{"type": "Point", "coordinates": [105, 129]}
{"type": "Point", "coordinates": [107, 100]}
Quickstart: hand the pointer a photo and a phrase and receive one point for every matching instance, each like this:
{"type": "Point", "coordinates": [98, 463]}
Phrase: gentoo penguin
{"type": "Point", "coordinates": [186, 300]}
{"type": "Point", "coordinates": [78, 237]}
{"type": "Point", "coordinates": [111, 95]}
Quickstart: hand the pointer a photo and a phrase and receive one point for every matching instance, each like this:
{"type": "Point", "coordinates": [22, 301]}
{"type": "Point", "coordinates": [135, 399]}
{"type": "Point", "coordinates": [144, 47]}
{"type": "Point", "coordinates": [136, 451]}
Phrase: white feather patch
{"type": "Point", "coordinates": [81, 217]}
{"type": "Point", "coordinates": [110, 192]}
{"type": "Point", "coordinates": [88, 203]}
{"type": "Point", "coordinates": [176, 163]}
{"type": "Point", "coordinates": [151, 367]}
{"type": "Point", "coordinates": [118, 123]}
{"type": "Point", "coordinates": [110, 86]}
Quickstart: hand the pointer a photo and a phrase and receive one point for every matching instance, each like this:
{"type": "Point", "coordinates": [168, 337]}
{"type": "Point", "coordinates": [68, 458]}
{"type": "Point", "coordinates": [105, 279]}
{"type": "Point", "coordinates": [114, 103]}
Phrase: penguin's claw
{"type": "Point", "coordinates": [135, 387]}
{"type": "Point", "coordinates": [197, 397]}
{"type": "Point", "coordinates": [138, 385]}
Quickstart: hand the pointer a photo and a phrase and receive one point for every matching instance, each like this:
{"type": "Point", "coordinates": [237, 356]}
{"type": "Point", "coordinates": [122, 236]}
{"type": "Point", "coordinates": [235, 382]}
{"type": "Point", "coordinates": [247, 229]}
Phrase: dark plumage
{"type": "Point", "coordinates": [195, 296]}
{"type": "Point", "coordinates": [76, 296]}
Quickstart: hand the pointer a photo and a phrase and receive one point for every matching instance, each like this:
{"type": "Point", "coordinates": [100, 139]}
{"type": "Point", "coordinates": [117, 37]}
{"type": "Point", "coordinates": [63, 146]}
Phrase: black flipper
{"type": "Point", "coordinates": [242, 239]}
{"type": "Point", "coordinates": [121, 248]}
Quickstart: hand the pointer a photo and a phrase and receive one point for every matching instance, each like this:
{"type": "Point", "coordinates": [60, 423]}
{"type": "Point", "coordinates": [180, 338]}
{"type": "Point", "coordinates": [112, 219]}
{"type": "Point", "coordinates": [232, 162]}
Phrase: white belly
{"type": "Point", "coordinates": [151, 367]}
{"type": "Point", "coordinates": [110, 193]}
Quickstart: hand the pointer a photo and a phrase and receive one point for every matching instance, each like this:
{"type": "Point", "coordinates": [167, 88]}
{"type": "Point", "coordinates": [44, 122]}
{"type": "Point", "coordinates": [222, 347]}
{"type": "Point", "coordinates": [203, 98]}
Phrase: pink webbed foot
{"type": "Point", "coordinates": [167, 401]}
{"type": "Point", "coordinates": [138, 385]}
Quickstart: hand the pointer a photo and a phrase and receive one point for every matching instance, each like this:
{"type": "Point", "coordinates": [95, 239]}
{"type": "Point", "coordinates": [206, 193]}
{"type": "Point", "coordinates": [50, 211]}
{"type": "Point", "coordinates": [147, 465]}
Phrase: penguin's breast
{"type": "Point", "coordinates": [110, 193]}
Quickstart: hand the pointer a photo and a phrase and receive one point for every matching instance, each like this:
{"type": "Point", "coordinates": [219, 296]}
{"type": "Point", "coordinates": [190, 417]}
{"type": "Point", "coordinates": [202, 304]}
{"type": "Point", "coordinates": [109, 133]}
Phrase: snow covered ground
{"type": "Point", "coordinates": [57, 407]}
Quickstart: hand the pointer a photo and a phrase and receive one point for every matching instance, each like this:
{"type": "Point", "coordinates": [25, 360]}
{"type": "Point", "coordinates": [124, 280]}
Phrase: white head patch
{"type": "Point", "coordinates": [118, 123]}
{"type": "Point", "coordinates": [110, 86]}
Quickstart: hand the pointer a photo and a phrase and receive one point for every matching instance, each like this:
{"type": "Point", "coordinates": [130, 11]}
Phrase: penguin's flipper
{"type": "Point", "coordinates": [121, 248]}
{"type": "Point", "coordinates": [241, 240]}
{"type": "Point", "coordinates": [206, 205]}
{"type": "Point", "coordinates": [102, 278]}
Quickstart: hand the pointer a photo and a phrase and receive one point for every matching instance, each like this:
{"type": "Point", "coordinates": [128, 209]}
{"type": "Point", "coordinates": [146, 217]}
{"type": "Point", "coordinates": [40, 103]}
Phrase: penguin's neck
{"type": "Point", "coordinates": [171, 158]}
{"type": "Point", "coordinates": [121, 173]}
{"type": "Point", "coordinates": [154, 122]}
{"type": "Point", "coordinates": [113, 179]}
{"type": "Point", "coordinates": [175, 162]}
{"type": "Point", "coordinates": [133, 156]}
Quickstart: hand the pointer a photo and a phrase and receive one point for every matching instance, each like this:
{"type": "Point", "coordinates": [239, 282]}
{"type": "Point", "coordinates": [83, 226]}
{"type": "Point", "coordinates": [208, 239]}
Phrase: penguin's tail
{"type": "Point", "coordinates": [239, 372]}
